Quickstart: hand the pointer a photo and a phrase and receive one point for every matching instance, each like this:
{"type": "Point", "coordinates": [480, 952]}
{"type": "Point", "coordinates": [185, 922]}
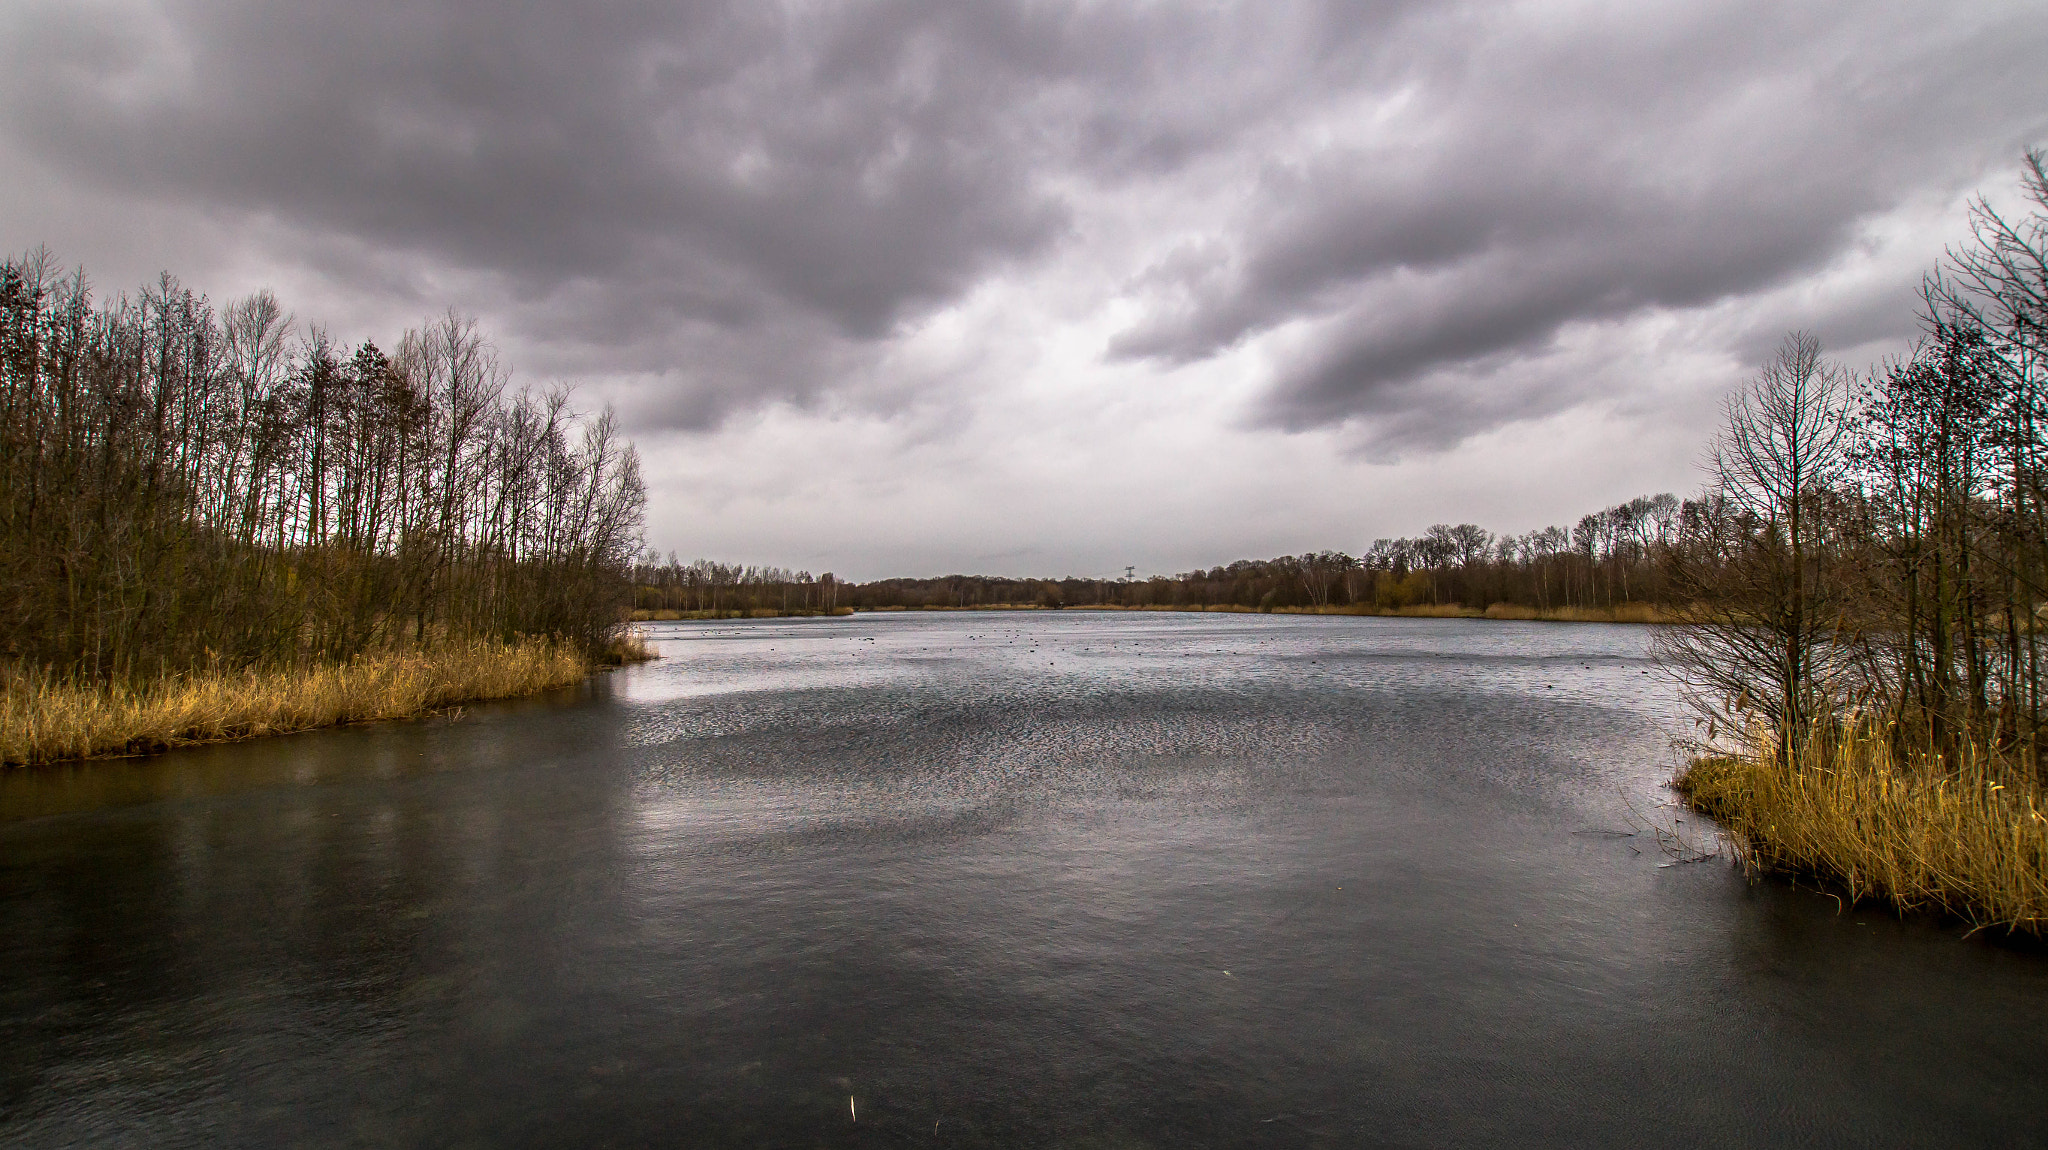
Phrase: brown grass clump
{"type": "Point", "coordinates": [43, 719]}
{"type": "Point", "coordinates": [1436, 611]}
{"type": "Point", "coordinates": [629, 648]}
{"type": "Point", "coordinates": [1969, 838]}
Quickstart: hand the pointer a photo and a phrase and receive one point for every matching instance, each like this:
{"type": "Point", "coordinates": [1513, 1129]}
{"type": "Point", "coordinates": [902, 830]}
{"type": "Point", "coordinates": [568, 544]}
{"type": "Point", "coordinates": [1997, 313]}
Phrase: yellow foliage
{"type": "Point", "coordinates": [1969, 838]}
{"type": "Point", "coordinates": [1434, 611]}
{"type": "Point", "coordinates": [44, 720]}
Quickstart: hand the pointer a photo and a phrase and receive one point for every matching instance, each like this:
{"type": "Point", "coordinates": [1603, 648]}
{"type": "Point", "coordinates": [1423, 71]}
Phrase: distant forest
{"type": "Point", "coordinates": [1615, 557]}
{"type": "Point", "coordinates": [1611, 559]}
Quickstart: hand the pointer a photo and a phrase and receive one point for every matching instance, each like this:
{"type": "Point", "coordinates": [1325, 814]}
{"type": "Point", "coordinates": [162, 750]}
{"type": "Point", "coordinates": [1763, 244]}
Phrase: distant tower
{"type": "Point", "coordinates": [1127, 572]}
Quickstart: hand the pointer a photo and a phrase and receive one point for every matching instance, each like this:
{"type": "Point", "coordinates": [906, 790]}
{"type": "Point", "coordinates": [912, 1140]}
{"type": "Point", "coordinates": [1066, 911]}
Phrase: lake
{"type": "Point", "coordinates": [981, 879]}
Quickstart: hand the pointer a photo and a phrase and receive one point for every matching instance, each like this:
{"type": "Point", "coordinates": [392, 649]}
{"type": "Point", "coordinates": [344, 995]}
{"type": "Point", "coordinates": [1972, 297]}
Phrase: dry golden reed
{"type": "Point", "coordinates": [630, 647]}
{"type": "Point", "coordinates": [44, 719]}
{"type": "Point", "coordinates": [1968, 838]}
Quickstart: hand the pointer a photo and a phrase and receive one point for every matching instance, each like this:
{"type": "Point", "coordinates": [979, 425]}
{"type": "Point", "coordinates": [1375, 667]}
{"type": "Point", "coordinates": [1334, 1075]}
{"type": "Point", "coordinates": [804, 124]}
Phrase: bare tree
{"type": "Point", "coordinates": [1765, 640]}
{"type": "Point", "coordinates": [181, 487]}
{"type": "Point", "coordinates": [1319, 570]}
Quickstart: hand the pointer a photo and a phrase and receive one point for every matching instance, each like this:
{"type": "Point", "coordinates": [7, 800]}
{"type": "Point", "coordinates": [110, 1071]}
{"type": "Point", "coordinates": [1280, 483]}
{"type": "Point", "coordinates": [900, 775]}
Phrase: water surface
{"type": "Point", "coordinates": [972, 879]}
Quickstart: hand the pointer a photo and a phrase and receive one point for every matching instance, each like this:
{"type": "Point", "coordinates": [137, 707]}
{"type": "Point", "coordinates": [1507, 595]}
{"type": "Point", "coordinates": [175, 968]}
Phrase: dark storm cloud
{"type": "Point", "coordinates": [740, 203]}
{"type": "Point", "coordinates": [558, 141]}
{"type": "Point", "coordinates": [739, 188]}
{"type": "Point", "coordinates": [1651, 167]}
{"type": "Point", "coordinates": [714, 166]}
{"type": "Point", "coordinates": [1510, 293]}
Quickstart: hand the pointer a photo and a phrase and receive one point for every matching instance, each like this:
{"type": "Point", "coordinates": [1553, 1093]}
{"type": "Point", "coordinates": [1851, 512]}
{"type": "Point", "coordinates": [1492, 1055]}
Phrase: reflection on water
{"type": "Point", "coordinates": [997, 879]}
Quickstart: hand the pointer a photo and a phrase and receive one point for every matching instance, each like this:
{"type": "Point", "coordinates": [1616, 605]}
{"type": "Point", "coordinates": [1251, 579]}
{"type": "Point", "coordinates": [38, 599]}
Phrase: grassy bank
{"type": "Point", "coordinates": [46, 720]}
{"type": "Point", "coordinates": [1968, 838]}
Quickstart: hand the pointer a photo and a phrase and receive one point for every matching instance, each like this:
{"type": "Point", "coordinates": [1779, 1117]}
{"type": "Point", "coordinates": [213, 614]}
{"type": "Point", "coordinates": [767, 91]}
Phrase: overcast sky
{"type": "Point", "coordinates": [1042, 287]}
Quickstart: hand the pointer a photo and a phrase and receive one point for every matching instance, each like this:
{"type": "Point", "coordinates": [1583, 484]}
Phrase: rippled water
{"type": "Point", "coordinates": [979, 879]}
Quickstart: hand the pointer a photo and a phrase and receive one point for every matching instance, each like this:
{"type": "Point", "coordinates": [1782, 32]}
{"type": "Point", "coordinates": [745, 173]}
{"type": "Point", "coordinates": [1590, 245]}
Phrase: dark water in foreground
{"type": "Point", "coordinates": [1076, 880]}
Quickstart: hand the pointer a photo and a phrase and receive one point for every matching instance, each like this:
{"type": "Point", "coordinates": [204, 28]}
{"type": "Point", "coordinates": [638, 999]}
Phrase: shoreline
{"type": "Point", "coordinates": [44, 722]}
{"type": "Point", "coordinates": [678, 615]}
{"type": "Point", "coordinates": [1502, 612]}
{"type": "Point", "coordinates": [1852, 821]}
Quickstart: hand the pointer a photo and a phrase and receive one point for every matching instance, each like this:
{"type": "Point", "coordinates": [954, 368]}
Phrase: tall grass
{"type": "Point", "coordinates": [1428, 611]}
{"type": "Point", "coordinates": [44, 718]}
{"type": "Point", "coordinates": [1966, 835]}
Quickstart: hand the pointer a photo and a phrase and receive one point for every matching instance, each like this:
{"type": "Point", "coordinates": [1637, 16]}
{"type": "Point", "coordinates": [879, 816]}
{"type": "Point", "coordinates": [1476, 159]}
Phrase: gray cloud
{"type": "Point", "coordinates": [730, 205]}
{"type": "Point", "coordinates": [713, 167]}
{"type": "Point", "coordinates": [1634, 174]}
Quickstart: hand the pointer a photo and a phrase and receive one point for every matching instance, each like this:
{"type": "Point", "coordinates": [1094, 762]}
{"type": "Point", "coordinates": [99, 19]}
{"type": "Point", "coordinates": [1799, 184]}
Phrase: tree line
{"type": "Point", "coordinates": [704, 587]}
{"type": "Point", "coordinates": [183, 485]}
{"type": "Point", "coordinates": [1613, 558]}
{"type": "Point", "coordinates": [1878, 541]}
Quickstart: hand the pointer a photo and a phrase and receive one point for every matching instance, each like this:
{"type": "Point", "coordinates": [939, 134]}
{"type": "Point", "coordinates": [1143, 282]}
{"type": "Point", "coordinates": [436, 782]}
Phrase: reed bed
{"type": "Point", "coordinates": [627, 649]}
{"type": "Point", "coordinates": [47, 719]}
{"type": "Point", "coordinates": [1966, 836]}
